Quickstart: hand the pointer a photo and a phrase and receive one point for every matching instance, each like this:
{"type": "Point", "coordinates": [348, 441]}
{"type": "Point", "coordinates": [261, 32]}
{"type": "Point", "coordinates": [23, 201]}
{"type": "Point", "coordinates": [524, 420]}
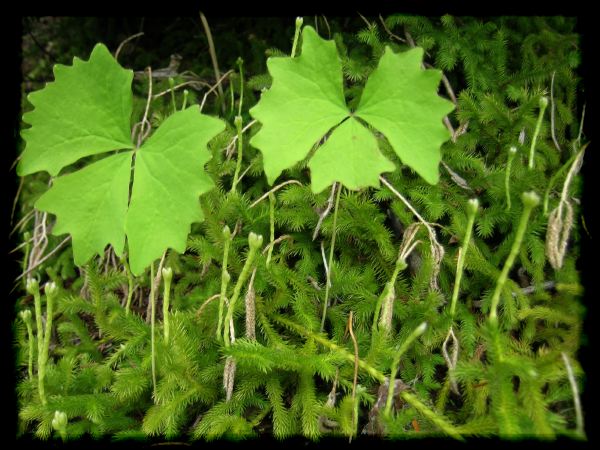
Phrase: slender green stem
{"type": "Point", "coordinates": [437, 419]}
{"type": "Point", "coordinates": [389, 287]}
{"type": "Point", "coordinates": [329, 267]}
{"type": "Point", "coordinates": [51, 291]}
{"type": "Point", "coordinates": [530, 200]}
{"type": "Point", "coordinates": [472, 207]}
{"type": "Point", "coordinates": [240, 63]}
{"type": "Point", "coordinates": [34, 289]}
{"type": "Point", "coordinates": [185, 97]}
{"type": "Point", "coordinates": [396, 362]}
{"type": "Point", "coordinates": [225, 277]}
{"type": "Point", "coordinates": [152, 321]}
{"type": "Point", "coordinates": [129, 286]}
{"type": "Point", "coordinates": [299, 21]}
{"type": "Point", "coordinates": [543, 105]}
{"type": "Point", "coordinates": [254, 243]}
{"type": "Point", "coordinates": [557, 175]}
{"type": "Point", "coordinates": [26, 317]}
{"type": "Point", "coordinates": [240, 146]}
{"type": "Point", "coordinates": [26, 238]}
{"type": "Point", "coordinates": [511, 155]}
{"type": "Point", "coordinates": [580, 429]}
{"type": "Point", "coordinates": [172, 85]}
{"type": "Point", "coordinates": [167, 274]}
{"type": "Point", "coordinates": [271, 226]}
{"type": "Point", "coordinates": [350, 357]}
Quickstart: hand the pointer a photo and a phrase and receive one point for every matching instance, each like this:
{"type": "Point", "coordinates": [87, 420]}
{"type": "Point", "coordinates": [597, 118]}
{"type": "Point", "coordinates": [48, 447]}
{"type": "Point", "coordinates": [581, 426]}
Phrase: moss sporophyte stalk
{"type": "Point", "coordinates": [348, 241]}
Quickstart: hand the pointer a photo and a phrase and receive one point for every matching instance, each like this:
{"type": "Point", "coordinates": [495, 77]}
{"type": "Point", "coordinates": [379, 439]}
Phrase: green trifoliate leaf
{"type": "Point", "coordinates": [400, 100]}
{"type": "Point", "coordinates": [93, 204]}
{"type": "Point", "coordinates": [169, 177]}
{"type": "Point", "coordinates": [361, 161]}
{"type": "Point", "coordinates": [305, 101]}
{"type": "Point", "coordinates": [85, 111]}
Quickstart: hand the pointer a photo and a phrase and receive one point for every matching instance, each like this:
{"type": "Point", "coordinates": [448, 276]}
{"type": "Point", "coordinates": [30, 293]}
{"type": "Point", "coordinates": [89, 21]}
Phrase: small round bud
{"type": "Point", "coordinates": [50, 289]}
{"type": "Point", "coordinates": [255, 240]}
{"type": "Point", "coordinates": [543, 102]}
{"type": "Point", "coordinates": [171, 82]}
{"type": "Point", "coordinates": [167, 274]}
{"type": "Point", "coordinates": [186, 92]}
{"type": "Point", "coordinates": [33, 286]}
{"type": "Point", "coordinates": [237, 121]}
{"type": "Point", "coordinates": [530, 199]}
{"type": "Point", "coordinates": [239, 61]}
{"type": "Point", "coordinates": [226, 232]}
{"type": "Point", "coordinates": [472, 206]}
{"type": "Point", "coordinates": [299, 22]}
{"type": "Point", "coordinates": [402, 264]}
{"type": "Point", "coordinates": [25, 315]}
{"type": "Point", "coordinates": [512, 150]}
{"type": "Point", "coordinates": [226, 277]}
{"type": "Point", "coordinates": [421, 329]}
{"type": "Point", "coordinates": [59, 422]}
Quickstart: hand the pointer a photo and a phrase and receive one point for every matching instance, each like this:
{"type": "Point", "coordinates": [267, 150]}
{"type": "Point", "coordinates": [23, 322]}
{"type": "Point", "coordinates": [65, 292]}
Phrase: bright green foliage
{"type": "Point", "coordinates": [85, 111]}
{"type": "Point", "coordinates": [362, 163]}
{"type": "Point", "coordinates": [291, 379]}
{"type": "Point", "coordinates": [168, 179]}
{"type": "Point", "coordinates": [400, 100]}
{"type": "Point", "coordinates": [306, 100]}
{"type": "Point", "coordinates": [93, 203]}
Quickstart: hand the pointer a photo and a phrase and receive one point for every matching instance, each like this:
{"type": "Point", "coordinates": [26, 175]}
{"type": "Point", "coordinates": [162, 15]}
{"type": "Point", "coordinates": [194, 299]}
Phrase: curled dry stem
{"type": "Point", "coordinates": [437, 251]}
{"type": "Point", "coordinates": [325, 212]}
{"type": "Point", "coordinates": [560, 221]}
{"type": "Point", "coordinates": [129, 39]}
{"type": "Point", "coordinates": [451, 360]}
{"type": "Point", "coordinates": [274, 189]}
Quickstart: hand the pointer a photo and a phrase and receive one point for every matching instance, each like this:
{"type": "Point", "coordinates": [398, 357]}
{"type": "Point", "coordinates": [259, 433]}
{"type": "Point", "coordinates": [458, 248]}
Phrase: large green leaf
{"type": "Point", "coordinates": [169, 177]}
{"type": "Point", "coordinates": [306, 101]}
{"type": "Point", "coordinates": [400, 100]}
{"type": "Point", "coordinates": [93, 204]}
{"type": "Point", "coordinates": [85, 111]}
{"type": "Point", "coordinates": [354, 148]}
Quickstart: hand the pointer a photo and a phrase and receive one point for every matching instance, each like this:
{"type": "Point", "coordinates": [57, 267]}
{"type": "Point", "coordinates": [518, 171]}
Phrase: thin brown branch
{"type": "Point", "coordinates": [37, 264]}
{"type": "Point", "coordinates": [388, 31]}
{"type": "Point", "coordinates": [276, 188]}
{"type": "Point", "coordinates": [130, 38]}
{"type": "Point", "coordinates": [213, 55]}
{"type": "Point", "coordinates": [174, 88]}
{"type": "Point", "coordinates": [26, 218]}
{"type": "Point", "coordinates": [15, 201]}
{"type": "Point", "coordinates": [205, 303]}
{"type": "Point", "coordinates": [276, 241]}
{"type": "Point", "coordinates": [142, 132]}
{"type": "Point", "coordinates": [325, 212]}
{"type": "Point", "coordinates": [369, 24]}
{"type": "Point", "coordinates": [215, 86]}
